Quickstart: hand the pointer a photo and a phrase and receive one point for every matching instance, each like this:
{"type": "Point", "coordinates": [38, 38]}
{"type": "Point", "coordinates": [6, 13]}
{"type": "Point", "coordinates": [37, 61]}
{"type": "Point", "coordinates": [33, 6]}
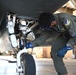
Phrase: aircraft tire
{"type": "Point", "coordinates": [28, 64]}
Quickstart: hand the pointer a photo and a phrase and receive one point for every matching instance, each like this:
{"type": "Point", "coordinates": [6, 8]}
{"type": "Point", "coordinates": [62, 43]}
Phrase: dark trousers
{"type": "Point", "coordinates": [58, 61]}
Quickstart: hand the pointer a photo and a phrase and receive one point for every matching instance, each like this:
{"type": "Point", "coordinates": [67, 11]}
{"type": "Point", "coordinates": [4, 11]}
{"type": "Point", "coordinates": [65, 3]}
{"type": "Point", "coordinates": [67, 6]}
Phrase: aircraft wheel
{"type": "Point", "coordinates": [28, 64]}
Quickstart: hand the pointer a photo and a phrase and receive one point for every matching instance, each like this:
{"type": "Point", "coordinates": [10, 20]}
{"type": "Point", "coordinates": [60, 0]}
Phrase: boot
{"type": "Point", "coordinates": [65, 74]}
{"type": "Point", "coordinates": [62, 74]}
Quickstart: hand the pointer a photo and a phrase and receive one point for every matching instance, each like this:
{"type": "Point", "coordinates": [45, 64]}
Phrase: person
{"type": "Point", "coordinates": [65, 25]}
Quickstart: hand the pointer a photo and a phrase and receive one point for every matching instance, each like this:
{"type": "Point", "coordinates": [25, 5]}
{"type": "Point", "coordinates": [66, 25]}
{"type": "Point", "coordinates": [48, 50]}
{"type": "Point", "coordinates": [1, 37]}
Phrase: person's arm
{"type": "Point", "coordinates": [70, 24]}
{"type": "Point", "coordinates": [41, 39]}
{"type": "Point", "coordinates": [65, 19]}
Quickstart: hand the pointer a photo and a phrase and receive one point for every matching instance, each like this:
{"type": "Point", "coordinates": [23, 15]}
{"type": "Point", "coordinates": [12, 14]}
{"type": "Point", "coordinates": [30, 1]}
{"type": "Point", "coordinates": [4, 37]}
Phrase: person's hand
{"type": "Point", "coordinates": [29, 50]}
{"type": "Point", "coordinates": [63, 51]}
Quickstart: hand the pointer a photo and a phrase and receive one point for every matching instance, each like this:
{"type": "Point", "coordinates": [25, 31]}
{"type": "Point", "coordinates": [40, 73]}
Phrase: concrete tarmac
{"type": "Point", "coordinates": [43, 66]}
{"type": "Point", "coordinates": [46, 67]}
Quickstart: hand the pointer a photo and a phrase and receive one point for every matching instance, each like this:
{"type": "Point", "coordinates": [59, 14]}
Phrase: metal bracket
{"type": "Point", "coordinates": [19, 66]}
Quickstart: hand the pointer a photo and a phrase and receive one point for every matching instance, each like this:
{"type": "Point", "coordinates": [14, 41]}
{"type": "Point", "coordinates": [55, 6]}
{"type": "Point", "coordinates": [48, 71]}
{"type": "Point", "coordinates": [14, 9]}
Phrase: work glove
{"type": "Point", "coordinates": [29, 45]}
{"type": "Point", "coordinates": [63, 51]}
